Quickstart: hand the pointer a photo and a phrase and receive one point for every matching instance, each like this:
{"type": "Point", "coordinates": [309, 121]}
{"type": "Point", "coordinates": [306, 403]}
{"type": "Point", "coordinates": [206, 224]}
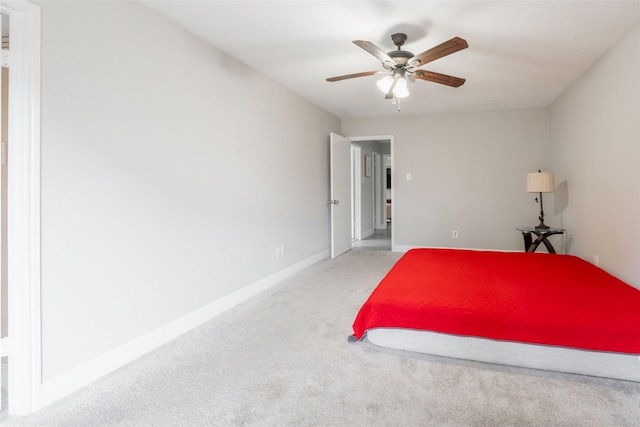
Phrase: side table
{"type": "Point", "coordinates": [531, 245]}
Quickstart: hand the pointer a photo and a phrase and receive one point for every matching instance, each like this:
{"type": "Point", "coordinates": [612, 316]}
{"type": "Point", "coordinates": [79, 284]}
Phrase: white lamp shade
{"type": "Point", "coordinates": [385, 83]}
{"type": "Point", "coordinates": [401, 91]}
{"type": "Point", "coordinates": [540, 182]}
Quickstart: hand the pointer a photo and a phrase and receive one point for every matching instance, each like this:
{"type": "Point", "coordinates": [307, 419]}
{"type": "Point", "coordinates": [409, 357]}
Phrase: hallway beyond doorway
{"type": "Point", "coordinates": [379, 240]}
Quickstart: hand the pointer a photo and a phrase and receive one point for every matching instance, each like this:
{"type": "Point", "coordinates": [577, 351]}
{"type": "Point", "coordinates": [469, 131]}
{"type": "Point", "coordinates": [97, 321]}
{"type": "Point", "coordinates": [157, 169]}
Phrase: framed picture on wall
{"type": "Point", "coordinates": [367, 165]}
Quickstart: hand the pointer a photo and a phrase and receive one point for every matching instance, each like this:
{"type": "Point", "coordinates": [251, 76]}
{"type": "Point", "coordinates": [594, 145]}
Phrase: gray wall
{"type": "Point", "coordinates": [468, 174]}
{"type": "Point", "coordinates": [167, 177]}
{"type": "Point", "coordinates": [595, 132]}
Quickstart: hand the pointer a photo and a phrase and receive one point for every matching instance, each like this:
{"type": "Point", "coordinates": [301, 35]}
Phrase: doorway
{"type": "Point", "coordinates": [355, 180]}
{"type": "Point", "coordinates": [370, 179]}
{"type": "Point", "coordinates": [388, 173]}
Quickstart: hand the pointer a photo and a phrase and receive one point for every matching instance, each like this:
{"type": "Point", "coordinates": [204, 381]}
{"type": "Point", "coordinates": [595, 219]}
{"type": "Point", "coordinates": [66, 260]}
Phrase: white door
{"type": "Point", "coordinates": [340, 193]}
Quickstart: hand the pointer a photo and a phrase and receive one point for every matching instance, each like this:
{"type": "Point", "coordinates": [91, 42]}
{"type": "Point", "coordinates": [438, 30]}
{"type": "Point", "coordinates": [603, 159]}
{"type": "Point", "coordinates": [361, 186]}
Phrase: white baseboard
{"type": "Point", "coordinates": [405, 248]}
{"type": "Point", "coordinates": [76, 378]}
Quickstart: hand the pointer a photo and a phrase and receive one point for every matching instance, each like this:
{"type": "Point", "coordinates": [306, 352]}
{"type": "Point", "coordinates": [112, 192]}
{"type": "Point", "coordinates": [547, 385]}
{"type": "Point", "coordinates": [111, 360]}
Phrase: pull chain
{"type": "Point", "coordinates": [396, 101]}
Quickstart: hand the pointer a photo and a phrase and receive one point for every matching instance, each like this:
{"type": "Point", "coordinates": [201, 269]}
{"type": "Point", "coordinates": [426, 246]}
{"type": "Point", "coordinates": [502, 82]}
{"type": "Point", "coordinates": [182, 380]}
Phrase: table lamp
{"type": "Point", "coordinates": [540, 182]}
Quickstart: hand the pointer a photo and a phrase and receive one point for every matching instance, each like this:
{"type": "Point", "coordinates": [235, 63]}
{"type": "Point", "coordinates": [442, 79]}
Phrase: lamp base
{"type": "Point", "coordinates": [541, 226]}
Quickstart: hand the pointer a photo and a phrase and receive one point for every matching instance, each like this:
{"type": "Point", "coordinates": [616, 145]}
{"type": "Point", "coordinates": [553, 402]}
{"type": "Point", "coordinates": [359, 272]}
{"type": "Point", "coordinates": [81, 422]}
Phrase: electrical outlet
{"type": "Point", "coordinates": [596, 260]}
{"type": "Point", "coordinates": [454, 234]}
{"type": "Point", "coordinates": [279, 251]}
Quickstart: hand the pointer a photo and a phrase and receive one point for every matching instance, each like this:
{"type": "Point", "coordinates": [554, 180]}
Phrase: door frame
{"type": "Point", "coordinates": [391, 140]}
{"type": "Point", "coordinates": [3, 292]}
{"type": "Point", "coordinates": [23, 210]}
{"type": "Point", "coordinates": [379, 220]}
{"type": "Point", "coordinates": [356, 192]}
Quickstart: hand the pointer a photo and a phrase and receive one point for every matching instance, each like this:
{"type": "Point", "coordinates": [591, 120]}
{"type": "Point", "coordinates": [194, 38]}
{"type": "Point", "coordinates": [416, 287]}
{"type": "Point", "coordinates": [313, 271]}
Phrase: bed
{"type": "Point", "coordinates": [535, 310]}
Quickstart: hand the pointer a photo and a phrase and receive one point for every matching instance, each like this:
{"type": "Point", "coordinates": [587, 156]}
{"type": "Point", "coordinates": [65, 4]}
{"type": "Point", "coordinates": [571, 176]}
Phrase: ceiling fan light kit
{"type": "Point", "coordinates": [402, 65]}
{"type": "Point", "coordinates": [395, 84]}
{"type": "Point", "coordinates": [401, 90]}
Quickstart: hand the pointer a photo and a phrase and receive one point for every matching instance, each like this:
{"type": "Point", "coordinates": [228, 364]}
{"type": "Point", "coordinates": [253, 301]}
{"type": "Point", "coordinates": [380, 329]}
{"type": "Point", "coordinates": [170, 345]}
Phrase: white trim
{"type": "Point", "coordinates": [24, 207]}
{"type": "Point", "coordinates": [379, 201]}
{"type": "Point", "coordinates": [405, 248]}
{"type": "Point", "coordinates": [76, 378]}
{"type": "Point", "coordinates": [356, 191]}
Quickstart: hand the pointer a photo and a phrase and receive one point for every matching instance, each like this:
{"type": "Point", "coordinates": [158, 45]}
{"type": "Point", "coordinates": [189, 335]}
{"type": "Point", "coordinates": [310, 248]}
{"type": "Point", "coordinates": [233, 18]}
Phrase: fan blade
{"type": "Point", "coordinates": [351, 76]}
{"type": "Point", "coordinates": [375, 51]}
{"type": "Point", "coordinates": [444, 49]}
{"type": "Point", "coordinates": [438, 78]}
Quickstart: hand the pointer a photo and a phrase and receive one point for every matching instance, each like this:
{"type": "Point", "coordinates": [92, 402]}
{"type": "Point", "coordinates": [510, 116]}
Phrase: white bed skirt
{"type": "Point", "coordinates": [560, 359]}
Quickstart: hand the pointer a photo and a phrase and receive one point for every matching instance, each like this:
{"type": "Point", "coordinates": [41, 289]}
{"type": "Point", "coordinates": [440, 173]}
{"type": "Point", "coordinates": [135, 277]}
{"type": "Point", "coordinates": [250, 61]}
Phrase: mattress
{"type": "Point", "coordinates": [537, 310]}
{"type": "Point", "coordinates": [550, 358]}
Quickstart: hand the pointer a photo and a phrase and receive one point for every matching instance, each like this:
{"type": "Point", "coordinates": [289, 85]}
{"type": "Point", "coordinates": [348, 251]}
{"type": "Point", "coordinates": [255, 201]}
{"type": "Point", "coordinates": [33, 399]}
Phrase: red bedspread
{"type": "Point", "coordinates": [538, 298]}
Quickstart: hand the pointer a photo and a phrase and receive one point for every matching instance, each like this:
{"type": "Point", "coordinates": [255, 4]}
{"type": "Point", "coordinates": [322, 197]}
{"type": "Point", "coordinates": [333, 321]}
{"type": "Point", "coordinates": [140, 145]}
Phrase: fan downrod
{"type": "Point", "coordinates": [401, 57]}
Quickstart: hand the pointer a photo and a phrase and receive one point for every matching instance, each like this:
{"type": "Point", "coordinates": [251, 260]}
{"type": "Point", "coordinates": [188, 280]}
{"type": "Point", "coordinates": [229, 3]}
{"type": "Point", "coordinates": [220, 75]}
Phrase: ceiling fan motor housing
{"type": "Point", "coordinates": [400, 56]}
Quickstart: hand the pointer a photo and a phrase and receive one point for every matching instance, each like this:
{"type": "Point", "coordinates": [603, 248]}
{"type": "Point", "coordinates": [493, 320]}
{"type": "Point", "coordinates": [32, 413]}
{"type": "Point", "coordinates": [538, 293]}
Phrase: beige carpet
{"type": "Point", "coordinates": [282, 359]}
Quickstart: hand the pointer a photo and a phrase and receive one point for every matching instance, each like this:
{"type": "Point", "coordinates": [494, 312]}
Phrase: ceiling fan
{"type": "Point", "coordinates": [402, 66]}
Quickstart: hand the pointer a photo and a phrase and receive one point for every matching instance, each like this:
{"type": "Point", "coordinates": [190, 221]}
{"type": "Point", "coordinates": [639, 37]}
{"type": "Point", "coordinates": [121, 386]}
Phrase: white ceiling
{"type": "Point", "coordinates": [521, 53]}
